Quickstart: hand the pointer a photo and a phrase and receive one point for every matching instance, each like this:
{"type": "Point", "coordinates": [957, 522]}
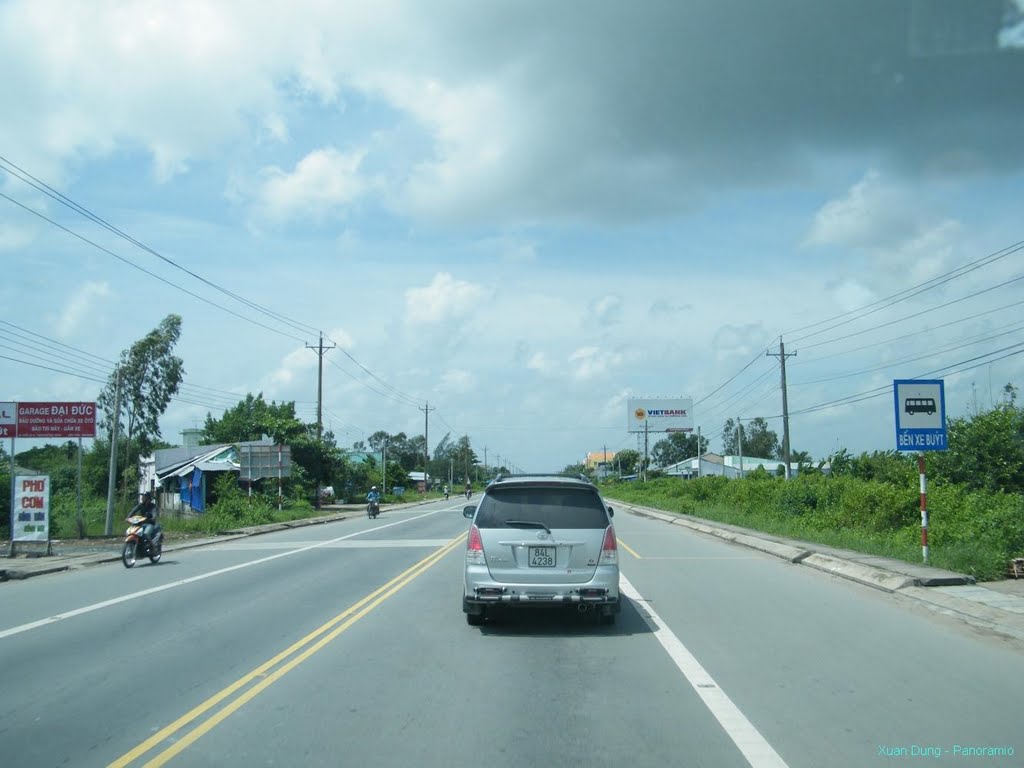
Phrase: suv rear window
{"type": "Point", "coordinates": [554, 507]}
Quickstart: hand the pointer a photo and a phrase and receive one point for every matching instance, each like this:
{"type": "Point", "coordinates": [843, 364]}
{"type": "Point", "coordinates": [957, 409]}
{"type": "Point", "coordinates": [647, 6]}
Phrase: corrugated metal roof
{"type": "Point", "coordinates": [168, 458]}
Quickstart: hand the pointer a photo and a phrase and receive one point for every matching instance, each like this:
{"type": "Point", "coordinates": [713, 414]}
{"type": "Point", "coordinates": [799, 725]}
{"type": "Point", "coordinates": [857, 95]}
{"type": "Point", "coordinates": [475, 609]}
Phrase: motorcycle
{"type": "Point", "coordinates": [373, 509]}
{"type": "Point", "coordinates": [137, 546]}
{"type": "Point", "coordinates": [446, 494]}
{"type": "Point", "coordinates": [469, 492]}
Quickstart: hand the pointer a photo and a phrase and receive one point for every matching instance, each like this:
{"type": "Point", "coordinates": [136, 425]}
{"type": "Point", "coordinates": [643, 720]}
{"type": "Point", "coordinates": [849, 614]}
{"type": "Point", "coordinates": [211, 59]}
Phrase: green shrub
{"type": "Point", "coordinates": [971, 531]}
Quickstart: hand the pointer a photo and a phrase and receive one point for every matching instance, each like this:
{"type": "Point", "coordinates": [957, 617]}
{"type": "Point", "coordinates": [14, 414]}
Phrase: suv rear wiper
{"type": "Point", "coordinates": [527, 524]}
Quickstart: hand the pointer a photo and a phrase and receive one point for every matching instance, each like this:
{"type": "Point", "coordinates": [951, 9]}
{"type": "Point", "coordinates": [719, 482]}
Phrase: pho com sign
{"type": "Point", "coordinates": [31, 514]}
{"type": "Point", "coordinates": [660, 415]}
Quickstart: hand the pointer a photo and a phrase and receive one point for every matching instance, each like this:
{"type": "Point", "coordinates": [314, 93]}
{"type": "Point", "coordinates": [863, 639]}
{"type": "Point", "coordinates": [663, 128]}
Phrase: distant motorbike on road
{"type": "Point", "coordinates": [137, 545]}
{"type": "Point", "coordinates": [373, 509]}
{"type": "Point", "coordinates": [469, 492]}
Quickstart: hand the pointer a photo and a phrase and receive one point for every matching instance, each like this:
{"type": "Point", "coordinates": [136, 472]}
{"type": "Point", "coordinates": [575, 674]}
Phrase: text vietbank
{"type": "Point", "coordinates": [669, 412]}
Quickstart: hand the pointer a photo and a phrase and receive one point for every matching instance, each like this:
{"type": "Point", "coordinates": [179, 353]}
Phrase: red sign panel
{"type": "Point", "coordinates": [56, 419]}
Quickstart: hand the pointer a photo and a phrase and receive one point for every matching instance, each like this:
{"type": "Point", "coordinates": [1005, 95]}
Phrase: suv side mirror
{"type": "Point", "coordinates": [611, 512]}
{"type": "Point", "coordinates": [468, 512]}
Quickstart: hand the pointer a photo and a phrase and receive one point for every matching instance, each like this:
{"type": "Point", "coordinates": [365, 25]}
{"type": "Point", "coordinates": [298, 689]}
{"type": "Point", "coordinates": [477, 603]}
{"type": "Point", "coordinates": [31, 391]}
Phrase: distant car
{"type": "Point", "coordinates": [541, 541]}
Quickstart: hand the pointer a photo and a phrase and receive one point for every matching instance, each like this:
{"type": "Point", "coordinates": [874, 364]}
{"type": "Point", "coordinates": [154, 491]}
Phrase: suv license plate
{"type": "Point", "coordinates": [542, 557]}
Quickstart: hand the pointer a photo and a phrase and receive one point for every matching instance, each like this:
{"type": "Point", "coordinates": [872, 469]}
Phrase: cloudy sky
{"type": "Point", "coordinates": [523, 213]}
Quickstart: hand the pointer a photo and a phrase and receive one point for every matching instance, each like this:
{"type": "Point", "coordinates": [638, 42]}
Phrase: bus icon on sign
{"type": "Point", "coordinates": [914, 405]}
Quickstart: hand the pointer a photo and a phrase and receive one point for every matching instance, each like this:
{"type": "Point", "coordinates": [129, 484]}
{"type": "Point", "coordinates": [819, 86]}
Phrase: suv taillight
{"type": "Point", "coordinates": [475, 547]}
{"type": "Point", "coordinates": [610, 548]}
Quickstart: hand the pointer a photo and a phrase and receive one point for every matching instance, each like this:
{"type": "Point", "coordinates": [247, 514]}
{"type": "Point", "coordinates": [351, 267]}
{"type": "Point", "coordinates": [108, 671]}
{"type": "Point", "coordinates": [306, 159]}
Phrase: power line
{"type": "Point", "coordinates": [912, 334]}
{"type": "Point", "coordinates": [146, 271]}
{"type": "Point", "coordinates": [908, 293]}
{"type": "Point", "coordinates": [49, 191]}
{"type": "Point", "coordinates": [385, 395]}
{"type": "Point", "coordinates": [887, 388]}
{"type": "Point", "coordinates": [890, 364]}
{"type": "Point", "coordinates": [917, 314]}
{"type": "Point", "coordinates": [757, 357]}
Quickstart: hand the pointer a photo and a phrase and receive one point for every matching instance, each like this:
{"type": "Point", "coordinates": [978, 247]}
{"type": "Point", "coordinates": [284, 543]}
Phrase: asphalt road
{"type": "Point", "coordinates": [344, 644]}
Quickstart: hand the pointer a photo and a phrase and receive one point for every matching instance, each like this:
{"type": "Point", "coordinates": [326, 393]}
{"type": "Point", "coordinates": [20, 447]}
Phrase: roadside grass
{"type": "Point", "coordinates": [972, 532]}
{"type": "Point", "coordinates": [235, 511]}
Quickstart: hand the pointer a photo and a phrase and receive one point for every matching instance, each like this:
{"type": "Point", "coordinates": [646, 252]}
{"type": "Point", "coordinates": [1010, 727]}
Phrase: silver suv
{"type": "Point", "coordinates": [541, 540]}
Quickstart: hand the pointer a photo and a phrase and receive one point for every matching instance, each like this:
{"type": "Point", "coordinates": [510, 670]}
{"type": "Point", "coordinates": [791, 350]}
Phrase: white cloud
{"type": "Point", "coordinates": [870, 214]}
{"type": "Point", "coordinates": [78, 307]}
{"type": "Point", "coordinates": [13, 238]}
{"type": "Point", "coordinates": [539, 362]}
{"type": "Point", "coordinates": [298, 362]}
{"type": "Point", "coordinates": [730, 340]}
{"type": "Point", "coordinates": [322, 185]}
{"type": "Point", "coordinates": [588, 363]}
{"type": "Point", "coordinates": [276, 128]}
{"type": "Point", "coordinates": [607, 310]}
{"type": "Point", "coordinates": [457, 382]}
{"type": "Point", "coordinates": [445, 299]}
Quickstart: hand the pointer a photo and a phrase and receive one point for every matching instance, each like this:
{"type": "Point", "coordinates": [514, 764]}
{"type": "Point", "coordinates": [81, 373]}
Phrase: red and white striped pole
{"type": "Point", "coordinates": [924, 508]}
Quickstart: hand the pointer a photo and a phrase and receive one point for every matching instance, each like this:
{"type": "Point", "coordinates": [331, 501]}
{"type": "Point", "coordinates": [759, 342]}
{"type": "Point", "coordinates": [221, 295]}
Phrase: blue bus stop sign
{"type": "Point", "coordinates": [920, 414]}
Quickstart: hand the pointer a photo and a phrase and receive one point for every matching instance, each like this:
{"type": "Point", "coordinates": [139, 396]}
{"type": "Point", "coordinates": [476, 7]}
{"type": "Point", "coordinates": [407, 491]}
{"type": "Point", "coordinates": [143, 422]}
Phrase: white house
{"type": "Point", "coordinates": [727, 466]}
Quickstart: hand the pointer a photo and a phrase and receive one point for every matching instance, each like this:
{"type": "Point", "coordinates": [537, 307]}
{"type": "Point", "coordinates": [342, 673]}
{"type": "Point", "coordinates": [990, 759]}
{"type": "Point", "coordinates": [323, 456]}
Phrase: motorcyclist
{"type": "Point", "coordinates": [147, 509]}
{"type": "Point", "coordinates": [469, 489]}
{"type": "Point", "coordinates": [373, 497]}
{"type": "Point", "coordinates": [446, 490]}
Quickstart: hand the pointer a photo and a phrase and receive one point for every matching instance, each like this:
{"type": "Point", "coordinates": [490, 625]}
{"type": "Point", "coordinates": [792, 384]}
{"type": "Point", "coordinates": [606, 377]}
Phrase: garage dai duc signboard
{"type": "Point", "coordinates": [920, 414]}
{"type": "Point", "coordinates": [60, 420]}
{"type": "Point", "coordinates": [31, 514]}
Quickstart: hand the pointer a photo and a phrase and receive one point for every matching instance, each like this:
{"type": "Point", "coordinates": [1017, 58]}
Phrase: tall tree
{"type": "Point", "coordinates": [253, 418]}
{"type": "Point", "coordinates": [758, 440]}
{"type": "Point", "coordinates": [150, 375]}
{"type": "Point", "coordinates": [627, 461]}
{"type": "Point", "coordinates": [676, 447]}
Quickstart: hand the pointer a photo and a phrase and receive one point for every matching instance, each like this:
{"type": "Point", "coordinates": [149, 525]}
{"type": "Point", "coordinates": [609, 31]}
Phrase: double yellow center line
{"type": "Point", "coordinates": [273, 670]}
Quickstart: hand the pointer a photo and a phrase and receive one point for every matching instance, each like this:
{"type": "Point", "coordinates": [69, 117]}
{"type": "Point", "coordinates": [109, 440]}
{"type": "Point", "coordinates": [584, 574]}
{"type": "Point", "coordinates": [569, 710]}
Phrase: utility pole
{"type": "Point", "coordinates": [699, 452]}
{"type": "Point", "coordinates": [486, 475]}
{"type": "Point", "coordinates": [426, 440]}
{"type": "Point", "coordinates": [739, 441]}
{"type": "Point", "coordinates": [319, 349]}
{"type": "Point", "coordinates": [108, 529]}
{"type": "Point", "coordinates": [645, 450]}
{"type": "Point", "coordinates": [384, 470]}
{"type": "Point", "coordinates": [785, 401]}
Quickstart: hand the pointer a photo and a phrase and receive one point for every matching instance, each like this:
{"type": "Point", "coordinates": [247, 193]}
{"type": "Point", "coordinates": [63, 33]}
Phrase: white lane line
{"type": "Point", "coordinates": [745, 736]}
{"type": "Point", "coordinates": [254, 546]}
{"type": "Point", "coordinates": [182, 582]}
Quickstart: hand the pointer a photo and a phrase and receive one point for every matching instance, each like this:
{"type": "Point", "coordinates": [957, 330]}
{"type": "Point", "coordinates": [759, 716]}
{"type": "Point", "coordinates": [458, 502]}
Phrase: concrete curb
{"type": "Point", "coordinates": [868, 575]}
{"type": "Point", "coordinates": [862, 574]}
{"type": "Point", "coordinates": [950, 594]}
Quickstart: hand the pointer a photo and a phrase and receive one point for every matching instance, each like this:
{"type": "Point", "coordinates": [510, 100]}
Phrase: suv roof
{"type": "Point", "coordinates": [557, 478]}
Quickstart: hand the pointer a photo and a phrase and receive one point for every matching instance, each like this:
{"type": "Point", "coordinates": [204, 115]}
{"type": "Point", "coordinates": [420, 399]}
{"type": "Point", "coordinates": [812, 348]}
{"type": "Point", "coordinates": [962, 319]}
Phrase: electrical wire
{"type": "Point", "coordinates": [908, 293]}
{"type": "Point", "coordinates": [50, 192]}
{"type": "Point", "coordinates": [892, 363]}
{"type": "Point", "coordinates": [917, 314]}
{"type": "Point", "coordinates": [64, 200]}
{"type": "Point", "coordinates": [887, 388]}
{"type": "Point", "coordinates": [913, 334]}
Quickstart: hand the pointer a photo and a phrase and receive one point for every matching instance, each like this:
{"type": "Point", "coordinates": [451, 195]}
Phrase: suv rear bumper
{"type": "Point", "coordinates": [475, 600]}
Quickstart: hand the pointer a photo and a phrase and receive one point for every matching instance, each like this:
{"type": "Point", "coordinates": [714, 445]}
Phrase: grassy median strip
{"type": "Point", "coordinates": [270, 671]}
